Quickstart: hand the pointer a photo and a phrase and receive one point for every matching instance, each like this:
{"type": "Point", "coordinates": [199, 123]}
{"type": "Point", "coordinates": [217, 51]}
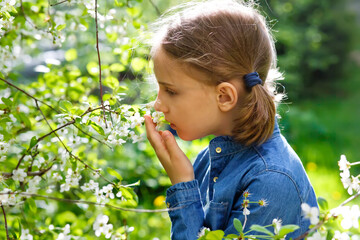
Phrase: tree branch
{"type": "Point", "coordinates": [7, 232]}
{"type": "Point", "coordinates": [27, 94]}
{"type": "Point", "coordinates": [58, 3]}
{"type": "Point", "coordinates": [27, 19]}
{"type": "Point", "coordinates": [156, 8]}
{"type": "Point", "coordinates": [98, 204]}
{"type": "Point", "coordinates": [29, 173]}
{"type": "Point", "coordinates": [99, 60]}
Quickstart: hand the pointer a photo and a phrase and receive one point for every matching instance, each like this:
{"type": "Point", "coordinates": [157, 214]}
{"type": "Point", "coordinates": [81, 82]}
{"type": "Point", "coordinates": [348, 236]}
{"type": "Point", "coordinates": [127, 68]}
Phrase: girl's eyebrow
{"type": "Point", "coordinates": [166, 84]}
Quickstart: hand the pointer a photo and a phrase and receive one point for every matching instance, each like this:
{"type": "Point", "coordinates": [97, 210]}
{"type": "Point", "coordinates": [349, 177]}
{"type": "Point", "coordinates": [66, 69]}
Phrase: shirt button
{"type": "Point", "coordinates": [215, 178]}
{"type": "Point", "coordinates": [218, 149]}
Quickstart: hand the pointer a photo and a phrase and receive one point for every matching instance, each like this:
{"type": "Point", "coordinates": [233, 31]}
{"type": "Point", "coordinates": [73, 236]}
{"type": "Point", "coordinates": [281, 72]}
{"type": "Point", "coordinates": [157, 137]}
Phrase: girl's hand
{"type": "Point", "coordinates": [172, 158]}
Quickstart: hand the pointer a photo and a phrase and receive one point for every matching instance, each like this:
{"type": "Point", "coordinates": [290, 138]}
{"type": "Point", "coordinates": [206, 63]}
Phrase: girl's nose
{"type": "Point", "coordinates": [160, 106]}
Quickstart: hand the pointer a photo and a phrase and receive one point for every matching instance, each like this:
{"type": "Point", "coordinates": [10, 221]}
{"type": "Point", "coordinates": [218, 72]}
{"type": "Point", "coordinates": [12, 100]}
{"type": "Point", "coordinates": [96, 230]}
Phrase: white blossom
{"type": "Point", "coordinates": [25, 235]}
{"type": "Point", "coordinates": [246, 211]}
{"type": "Point", "coordinates": [351, 216]}
{"type": "Point", "coordinates": [7, 5]}
{"type": "Point", "coordinates": [316, 236]}
{"type": "Point", "coordinates": [65, 234]}
{"type": "Point", "coordinates": [340, 236]}
{"type": "Point", "coordinates": [108, 230]}
{"type": "Point", "coordinates": [136, 120]}
{"type": "Point", "coordinates": [100, 226]}
{"type": "Point", "coordinates": [202, 231]}
{"type": "Point", "coordinates": [99, 195]}
{"type": "Point", "coordinates": [156, 116]}
{"type": "Point", "coordinates": [311, 213]}
{"type": "Point", "coordinates": [33, 184]}
{"type": "Point", "coordinates": [57, 177]}
{"type": "Point", "coordinates": [4, 148]}
{"type": "Point", "coordinates": [119, 194]}
{"type": "Point", "coordinates": [19, 175]}
{"type": "Point", "coordinates": [277, 225]}
{"type": "Point", "coordinates": [108, 191]}
{"type": "Point", "coordinates": [343, 163]}
{"type": "Point", "coordinates": [38, 162]}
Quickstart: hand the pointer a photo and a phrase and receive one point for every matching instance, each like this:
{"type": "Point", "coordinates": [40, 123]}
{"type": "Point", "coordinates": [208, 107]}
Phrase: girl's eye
{"type": "Point", "coordinates": [170, 92]}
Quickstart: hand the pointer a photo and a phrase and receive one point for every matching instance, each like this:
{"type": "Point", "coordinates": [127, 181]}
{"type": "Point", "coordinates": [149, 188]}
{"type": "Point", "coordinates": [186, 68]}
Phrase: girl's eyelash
{"type": "Point", "coordinates": [170, 92]}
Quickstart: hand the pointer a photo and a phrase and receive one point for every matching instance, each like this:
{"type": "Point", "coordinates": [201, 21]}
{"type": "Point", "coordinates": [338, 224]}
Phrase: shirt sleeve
{"type": "Point", "coordinates": [186, 211]}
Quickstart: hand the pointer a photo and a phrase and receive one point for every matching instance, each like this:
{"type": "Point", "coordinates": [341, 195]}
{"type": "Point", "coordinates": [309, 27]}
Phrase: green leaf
{"type": "Point", "coordinates": [13, 233]}
{"type": "Point", "coordinates": [111, 82]}
{"type": "Point", "coordinates": [114, 173]}
{"type": "Point", "coordinates": [25, 119]}
{"type": "Point", "coordinates": [32, 205]}
{"type": "Point", "coordinates": [215, 235]}
{"type": "Point", "coordinates": [65, 217]}
{"type": "Point", "coordinates": [60, 27]}
{"type": "Point", "coordinates": [133, 12]}
{"type": "Point", "coordinates": [232, 236]}
{"type": "Point", "coordinates": [323, 203]}
{"type": "Point", "coordinates": [20, 229]}
{"type": "Point", "coordinates": [287, 229]}
{"type": "Point", "coordinates": [93, 68]}
{"type": "Point", "coordinates": [138, 64]}
{"type": "Point", "coordinates": [71, 55]}
{"type": "Point", "coordinates": [97, 128]}
{"type": "Point", "coordinates": [330, 234]}
{"type": "Point", "coordinates": [117, 67]}
{"type": "Point", "coordinates": [73, 163]}
{"type": "Point", "coordinates": [238, 225]}
{"type": "Point", "coordinates": [261, 229]}
{"type": "Point", "coordinates": [7, 102]}
{"type": "Point", "coordinates": [65, 105]}
{"type": "Point", "coordinates": [33, 141]}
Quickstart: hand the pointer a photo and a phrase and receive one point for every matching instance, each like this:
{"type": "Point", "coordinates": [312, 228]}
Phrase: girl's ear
{"type": "Point", "coordinates": [226, 96]}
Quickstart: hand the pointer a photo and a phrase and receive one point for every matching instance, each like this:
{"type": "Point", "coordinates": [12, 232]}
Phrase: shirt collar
{"type": "Point", "coordinates": [224, 145]}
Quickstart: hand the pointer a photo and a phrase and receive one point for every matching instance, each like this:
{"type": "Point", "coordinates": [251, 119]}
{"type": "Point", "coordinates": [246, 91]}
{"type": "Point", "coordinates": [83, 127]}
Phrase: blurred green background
{"type": "Point", "coordinates": [318, 44]}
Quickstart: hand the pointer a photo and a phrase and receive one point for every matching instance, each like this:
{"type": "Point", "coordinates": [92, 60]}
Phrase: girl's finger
{"type": "Point", "coordinates": [155, 139]}
{"type": "Point", "coordinates": [171, 145]}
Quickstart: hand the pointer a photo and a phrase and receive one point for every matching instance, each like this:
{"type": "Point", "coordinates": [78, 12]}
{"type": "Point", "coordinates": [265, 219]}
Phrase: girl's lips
{"type": "Point", "coordinates": [172, 126]}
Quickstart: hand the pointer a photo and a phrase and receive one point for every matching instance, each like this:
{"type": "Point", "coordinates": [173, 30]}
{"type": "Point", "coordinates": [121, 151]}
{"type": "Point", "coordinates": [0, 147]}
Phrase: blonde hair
{"type": "Point", "coordinates": [226, 40]}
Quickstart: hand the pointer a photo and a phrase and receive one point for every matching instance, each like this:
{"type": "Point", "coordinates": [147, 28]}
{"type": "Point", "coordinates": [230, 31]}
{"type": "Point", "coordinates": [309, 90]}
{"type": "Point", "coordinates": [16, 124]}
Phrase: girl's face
{"type": "Point", "coordinates": [189, 105]}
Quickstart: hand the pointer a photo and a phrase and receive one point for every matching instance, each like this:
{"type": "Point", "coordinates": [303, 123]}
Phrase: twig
{"type": "Point", "coordinates": [12, 85]}
{"type": "Point", "coordinates": [349, 199]}
{"type": "Point", "coordinates": [70, 153]}
{"type": "Point", "coordinates": [7, 232]}
{"type": "Point", "coordinates": [57, 129]}
{"type": "Point", "coordinates": [99, 60]}
{"type": "Point", "coordinates": [58, 3]}
{"type": "Point", "coordinates": [29, 173]}
{"type": "Point", "coordinates": [98, 204]}
{"type": "Point", "coordinates": [156, 8]}
{"type": "Point", "coordinates": [92, 136]}
{"type": "Point", "coordinates": [27, 19]}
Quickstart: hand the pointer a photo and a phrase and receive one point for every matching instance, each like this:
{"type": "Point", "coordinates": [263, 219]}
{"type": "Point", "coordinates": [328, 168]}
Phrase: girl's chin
{"type": "Point", "coordinates": [186, 137]}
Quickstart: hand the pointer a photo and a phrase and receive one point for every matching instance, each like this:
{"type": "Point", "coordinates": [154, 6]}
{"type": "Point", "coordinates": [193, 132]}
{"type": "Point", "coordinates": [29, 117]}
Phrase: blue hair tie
{"type": "Point", "coordinates": [252, 79]}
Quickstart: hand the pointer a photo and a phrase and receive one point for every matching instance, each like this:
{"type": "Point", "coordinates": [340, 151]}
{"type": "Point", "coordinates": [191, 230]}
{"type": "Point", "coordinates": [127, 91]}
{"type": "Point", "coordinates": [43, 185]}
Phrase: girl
{"type": "Point", "coordinates": [215, 63]}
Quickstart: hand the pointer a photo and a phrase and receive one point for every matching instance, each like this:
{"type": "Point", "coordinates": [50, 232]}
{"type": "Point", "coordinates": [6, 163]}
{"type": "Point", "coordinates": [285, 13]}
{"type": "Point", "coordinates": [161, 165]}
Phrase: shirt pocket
{"type": "Point", "coordinates": [215, 215]}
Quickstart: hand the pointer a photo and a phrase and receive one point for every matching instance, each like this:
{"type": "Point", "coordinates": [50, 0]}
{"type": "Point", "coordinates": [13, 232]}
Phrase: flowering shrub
{"type": "Point", "coordinates": [55, 129]}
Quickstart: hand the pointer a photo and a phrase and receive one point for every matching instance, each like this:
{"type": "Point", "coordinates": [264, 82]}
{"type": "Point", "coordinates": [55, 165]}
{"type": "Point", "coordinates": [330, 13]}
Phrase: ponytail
{"type": "Point", "coordinates": [256, 117]}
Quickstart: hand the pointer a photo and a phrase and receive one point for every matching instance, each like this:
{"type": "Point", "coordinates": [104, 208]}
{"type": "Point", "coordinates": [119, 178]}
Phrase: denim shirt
{"type": "Point", "coordinates": [223, 171]}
